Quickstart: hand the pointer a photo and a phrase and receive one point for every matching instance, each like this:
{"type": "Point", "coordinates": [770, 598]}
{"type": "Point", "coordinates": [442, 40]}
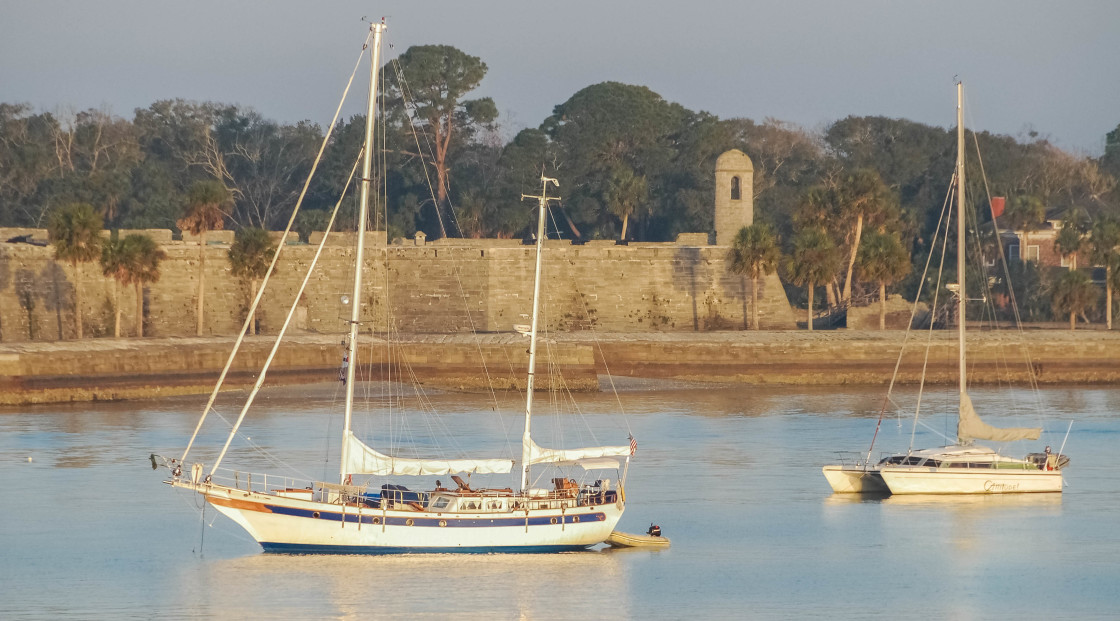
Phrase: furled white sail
{"type": "Point", "coordinates": [361, 459]}
{"type": "Point", "coordinates": [539, 455]}
{"type": "Point", "coordinates": [970, 427]}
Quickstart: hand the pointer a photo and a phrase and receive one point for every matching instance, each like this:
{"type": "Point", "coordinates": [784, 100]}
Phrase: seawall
{"type": "Point", "coordinates": [109, 369]}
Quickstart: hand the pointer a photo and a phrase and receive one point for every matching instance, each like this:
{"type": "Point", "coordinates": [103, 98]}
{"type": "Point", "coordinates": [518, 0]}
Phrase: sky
{"type": "Point", "coordinates": [1028, 65]}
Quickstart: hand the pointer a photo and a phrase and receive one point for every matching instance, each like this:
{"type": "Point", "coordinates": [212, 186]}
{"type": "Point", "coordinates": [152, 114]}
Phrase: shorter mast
{"type": "Point", "coordinates": [526, 440]}
{"type": "Point", "coordinates": [363, 211]}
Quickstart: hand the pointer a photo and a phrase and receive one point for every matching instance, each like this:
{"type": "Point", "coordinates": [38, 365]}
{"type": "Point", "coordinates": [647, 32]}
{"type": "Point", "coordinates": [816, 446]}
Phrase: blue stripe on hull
{"type": "Point", "coordinates": [369, 518]}
{"type": "Point", "coordinates": [300, 548]}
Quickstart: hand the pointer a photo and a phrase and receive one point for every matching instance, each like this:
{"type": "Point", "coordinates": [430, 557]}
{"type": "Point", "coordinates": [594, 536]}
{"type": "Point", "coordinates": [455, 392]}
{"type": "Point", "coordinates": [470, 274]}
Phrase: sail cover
{"type": "Point", "coordinates": [362, 459]}
{"type": "Point", "coordinates": [970, 427]}
{"type": "Point", "coordinates": [539, 455]}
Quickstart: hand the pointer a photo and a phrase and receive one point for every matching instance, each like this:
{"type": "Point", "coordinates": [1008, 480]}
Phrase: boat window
{"type": "Point", "coordinates": [441, 503]}
{"type": "Point", "coordinates": [894, 459]}
{"type": "Point", "coordinates": [932, 463]}
{"type": "Point", "coordinates": [911, 461]}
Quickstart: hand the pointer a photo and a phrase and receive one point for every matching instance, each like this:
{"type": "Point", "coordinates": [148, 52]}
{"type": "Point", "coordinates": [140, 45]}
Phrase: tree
{"type": "Point", "coordinates": [754, 252]}
{"type": "Point", "coordinates": [844, 207]}
{"type": "Point", "coordinates": [249, 258]}
{"type": "Point", "coordinates": [1074, 294]}
{"type": "Point", "coordinates": [434, 79]}
{"type": "Point", "coordinates": [114, 265]}
{"type": "Point", "coordinates": [1104, 242]}
{"type": "Point", "coordinates": [75, 231]}
{"type": "Point", "coordinates": [140, 257]}
{"type": "Point", "coordinates": [884, 259]}
{"type": "Point", "coordinates": [624, 194]}
{"type": "Point", "coordinates": [608, 127]}
{"type": "Point", "coordinates": [814, 260]}
{"type": "Point", "coordinates": [208, 204]}
{"type": "Point", "coordinates": [1071, 237]}
{"type": "Point", "coordinates": [1024, 213]}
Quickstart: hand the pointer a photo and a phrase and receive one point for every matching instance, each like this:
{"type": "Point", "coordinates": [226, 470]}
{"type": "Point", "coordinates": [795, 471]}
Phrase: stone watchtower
{"type": "Point", "coordinates": [734, 195]}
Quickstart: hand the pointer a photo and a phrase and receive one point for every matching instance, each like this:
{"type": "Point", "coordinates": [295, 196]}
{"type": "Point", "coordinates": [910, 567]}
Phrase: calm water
{"type": "Point", "coordinates": [731, 474]}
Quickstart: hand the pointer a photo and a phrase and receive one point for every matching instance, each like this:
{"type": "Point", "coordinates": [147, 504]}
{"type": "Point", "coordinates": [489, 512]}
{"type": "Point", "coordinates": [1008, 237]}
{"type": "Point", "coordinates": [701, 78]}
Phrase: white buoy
{"type": "Point", "coordinates": [28, 460]}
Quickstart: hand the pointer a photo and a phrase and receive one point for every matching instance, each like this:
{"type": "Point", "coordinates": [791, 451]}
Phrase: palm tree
{"type": "Point", "coordinates": [114, 265]}
{"type": "Point", "coordinates": [142, 257]}
{"type": "Point", "coordinates": [815, 259]}
{"type": "Point", "coordinates": [625, 193]}
{"type": "Point", "coordinates": [1103, 243]}
{"type": "Point", "coordinates": [1074, 294]}
{"type": "Point", "coordinates": [249, 258]}
{"type": "Point", "coordinates": [844, 208]}
{"type": "Point", "coordinates": [884, 259]}
{"type": "Point", "coordinates": [754, 252]}
{"type": "Point", "coordinates": [75, 231]}
{"type": "Point", "coordinates": [1071, 237]}
{"type": "Point", "coordinates": [207, 204]}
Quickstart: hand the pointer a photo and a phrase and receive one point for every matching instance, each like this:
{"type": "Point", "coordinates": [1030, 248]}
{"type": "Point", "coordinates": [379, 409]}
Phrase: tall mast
{"type": "Point", "coordinates": [363, 211]}
{"type": "Point", "coordinates": [960, 233]}
{"type": "Point", "coordinates": [526, 440]}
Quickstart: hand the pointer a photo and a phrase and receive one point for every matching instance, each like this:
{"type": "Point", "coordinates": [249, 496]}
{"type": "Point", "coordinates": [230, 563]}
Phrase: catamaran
{"type": "Point", "coordinates": [350, 516]}
{"type": "Point", "coordinates": [964, 467]}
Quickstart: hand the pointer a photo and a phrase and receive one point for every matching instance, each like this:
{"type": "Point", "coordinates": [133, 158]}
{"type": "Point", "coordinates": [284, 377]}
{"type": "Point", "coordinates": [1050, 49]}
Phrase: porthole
{"type": "Point", "coordinates": [575, 519]}
{"type": "Point", "coordinates": [376, 520]}
{"type": "Point", "coordinates": [408, 522]}
{"type": "Point", "coordinates": [553, 520]}
{"type": "Point", "coordinates": [443, 522]}
{"type": "Point", "coordinates": [315, 514]}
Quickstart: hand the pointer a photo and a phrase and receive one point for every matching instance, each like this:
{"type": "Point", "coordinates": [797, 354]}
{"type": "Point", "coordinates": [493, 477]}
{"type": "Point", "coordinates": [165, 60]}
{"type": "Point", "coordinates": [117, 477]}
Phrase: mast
{"type": "Point", "coordinates": [960, 235]}
{"type": "Point", "coordinates": [526, 440]}
{"type": "Point", "coordinates": [363, 211]}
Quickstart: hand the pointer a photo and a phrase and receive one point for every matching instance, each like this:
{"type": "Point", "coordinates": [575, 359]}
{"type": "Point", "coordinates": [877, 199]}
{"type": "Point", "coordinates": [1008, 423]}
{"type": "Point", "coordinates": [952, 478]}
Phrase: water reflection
{"type": "Point", "coordinates": [410, 586]}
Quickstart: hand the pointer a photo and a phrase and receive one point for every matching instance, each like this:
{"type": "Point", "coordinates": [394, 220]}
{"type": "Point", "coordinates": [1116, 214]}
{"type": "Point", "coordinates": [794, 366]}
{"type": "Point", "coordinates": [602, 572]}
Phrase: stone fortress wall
{"type": "Point", "coordinates": [449, 286]}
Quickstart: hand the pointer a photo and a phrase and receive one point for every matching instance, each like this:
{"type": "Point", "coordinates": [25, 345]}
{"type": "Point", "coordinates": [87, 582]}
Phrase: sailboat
{"type": "Point", "coordinates": [965, 467]}
{"type": "Point", "coordinates": [348, 517]}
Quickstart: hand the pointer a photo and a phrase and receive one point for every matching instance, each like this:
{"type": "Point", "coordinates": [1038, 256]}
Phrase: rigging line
{"type": "Point", "coordinates": [945, 219]}
{"type": "Point", "coordinates": [409, 101]}
{"type": "Point", "coordinates": [264, 452]}
{"type": "Point", "coordinates": [287, 320]}
{"type": "Point", "coordinates": [1032, 378]}
{"type": "Point", "coordinates": [909, 327]}
{"type": "Point", "coordinates": [594, 336]}
{"type": "Point", "coordinates": [406, 95]}
{"type": "Point", "coordinates": [275, 257]}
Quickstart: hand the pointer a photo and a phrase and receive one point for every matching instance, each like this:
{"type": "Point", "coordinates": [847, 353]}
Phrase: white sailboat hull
{"type": "Point", "coordinates": [924, 480]}
{"type": "Point", "coordinates": [295, 526]}
{"type": "Point", "coordinates": [854, 480]}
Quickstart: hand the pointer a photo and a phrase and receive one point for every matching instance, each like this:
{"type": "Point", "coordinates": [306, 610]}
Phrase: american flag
{"type": "Point", "coordinates": [633, 445]}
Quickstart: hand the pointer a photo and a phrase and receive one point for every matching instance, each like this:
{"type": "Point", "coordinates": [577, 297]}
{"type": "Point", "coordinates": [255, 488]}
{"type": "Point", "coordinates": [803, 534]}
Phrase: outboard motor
{"type": "Point", "coordinates": [654, 530]}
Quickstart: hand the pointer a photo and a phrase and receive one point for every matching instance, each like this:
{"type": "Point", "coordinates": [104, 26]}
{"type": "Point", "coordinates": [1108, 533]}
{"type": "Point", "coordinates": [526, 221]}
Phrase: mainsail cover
{"type": "Point", "coordinates": [970, 427]}
{"type": "Point", "coordinates": [361, 459]}
{"type": "Point", "coordinates": [539, 455]}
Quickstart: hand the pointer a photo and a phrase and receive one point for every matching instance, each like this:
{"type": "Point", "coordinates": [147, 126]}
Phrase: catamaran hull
{"type": "Point", "coordinates": [921, 480]}
{"type": "Point", "coordinates": [292, 526]}
{"type": "Point", "coordinates": [848, 480]}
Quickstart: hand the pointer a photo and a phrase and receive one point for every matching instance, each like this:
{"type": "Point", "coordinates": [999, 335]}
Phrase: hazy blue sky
{"type": "Point", "coordinates": [1050, 66]}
